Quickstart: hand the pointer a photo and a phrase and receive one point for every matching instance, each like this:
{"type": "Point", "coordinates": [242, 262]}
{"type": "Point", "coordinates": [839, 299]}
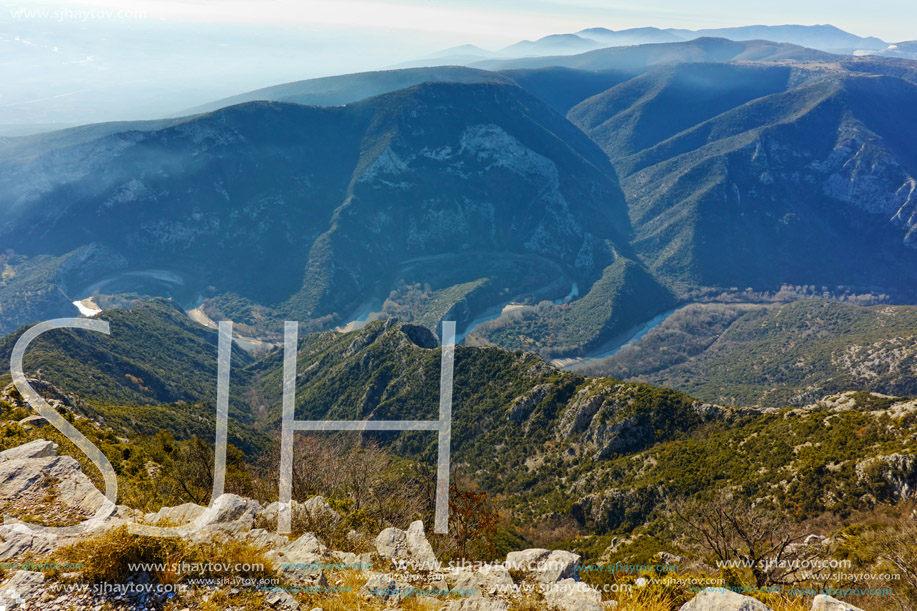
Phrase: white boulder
{"type": "Point", "coordinates": [572, 595]}
{"type": "Point", "coordinates": [722, 599]}
{"type": "Point", "coordinates": [823, 602]}
{"type": "Point", "coordinates": [410, 545]}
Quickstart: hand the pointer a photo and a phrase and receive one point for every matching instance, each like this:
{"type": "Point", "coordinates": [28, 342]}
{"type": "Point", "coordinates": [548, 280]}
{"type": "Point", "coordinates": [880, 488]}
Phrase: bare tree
{"type": "Point", "coordinates": [473, 523]}
{"type": "Point", "coordinates": [742, 534]}
{"type": "Point", "coordinates": [362, 472]}
{"type": "Point", "coordinates": [186, 468]}
{"type": "Point", "coordinates": [898, 547]}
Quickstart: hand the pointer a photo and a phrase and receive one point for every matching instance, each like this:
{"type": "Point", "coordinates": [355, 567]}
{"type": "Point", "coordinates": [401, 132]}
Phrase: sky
{"type": "Point", "coordinates": [89, 60]}
{"type": "Point", "coordinates": [502, 22]}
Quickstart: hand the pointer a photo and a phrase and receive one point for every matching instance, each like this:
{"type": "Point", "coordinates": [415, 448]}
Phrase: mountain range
{"type": "Point", "coordinates": [586, 194]}
{"type": "Point", "coordinates": [705, 49]}
{"type": "Point", "coordinates": [802, 174]}
{"type": "Point", "coordinates": [311, 212]}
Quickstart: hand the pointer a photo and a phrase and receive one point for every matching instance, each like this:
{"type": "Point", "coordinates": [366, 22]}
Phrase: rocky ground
{"type": "Point", "coordinates": [402, 572]}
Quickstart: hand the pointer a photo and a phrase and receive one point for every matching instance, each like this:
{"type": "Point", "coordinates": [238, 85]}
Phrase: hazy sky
{"type": "Point", "coordinates": [504, 21]}
{"type": "Point", "coordinates": [90, 60]}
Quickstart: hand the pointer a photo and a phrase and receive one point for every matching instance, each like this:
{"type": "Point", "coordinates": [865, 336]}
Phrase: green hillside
{"type": "Point", "coordinates": [765, 175]}
{"type": "Point", "coordinates": [550, 445]}
{"type": "Point", "coordinates": [623, 297]}
{"type": "Point", "coordinates": [651, 108]}
{"type": "Point", "coordinates": [154, 355]}
{"type": "Point", "coordinates": [776, 355]}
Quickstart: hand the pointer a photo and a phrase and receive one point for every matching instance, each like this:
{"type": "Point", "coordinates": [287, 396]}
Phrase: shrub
{"type": "Point", "coordinates": [115, 555]}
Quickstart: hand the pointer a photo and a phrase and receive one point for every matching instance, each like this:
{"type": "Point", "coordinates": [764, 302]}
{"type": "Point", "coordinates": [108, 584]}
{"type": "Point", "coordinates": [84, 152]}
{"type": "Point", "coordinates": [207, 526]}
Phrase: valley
{"type": "Point", "coordinates": [682, 267]}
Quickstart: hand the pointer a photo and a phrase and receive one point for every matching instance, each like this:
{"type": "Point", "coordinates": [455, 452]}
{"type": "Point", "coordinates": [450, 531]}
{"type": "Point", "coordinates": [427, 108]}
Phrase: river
{"type": "Point", "coordinates": [610, 348]}
{"type": "Point", "coordinates": [497, 311]}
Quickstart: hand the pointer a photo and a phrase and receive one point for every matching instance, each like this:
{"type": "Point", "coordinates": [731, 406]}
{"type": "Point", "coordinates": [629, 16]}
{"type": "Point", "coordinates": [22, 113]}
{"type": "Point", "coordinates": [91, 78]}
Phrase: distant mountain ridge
{"type": "Point", "coordinates": [597, 66]}
{"type": "Point", "coordinates": [820, 37]}
{"type": "Point", "coordinates": [632, 36]}
{"type": "Point", "coordinates": [904, 50]}
{"type": "Point", "coordinates": [347, 88]}
{"type": "Point", "coordinates": [715, 50]}
{"type": "Point", "coordinates": [555, 44]}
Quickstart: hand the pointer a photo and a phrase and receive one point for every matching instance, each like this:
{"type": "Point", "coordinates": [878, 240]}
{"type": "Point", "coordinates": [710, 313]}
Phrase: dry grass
{"type": "Point", "coordinates": [107, 557]}
{"type": "Point", "coordinates": [219, 600]}
{"type": "Point", "coordinates": [646, 599]}
{"type": "Point", "coordinates": [781, 602]}
{"type": "Point", "coordinates": [656, 599]}
{"type": "Point", "coordinates": [352, 600]}
{"type": "Point", "coordinates": [528, 605]}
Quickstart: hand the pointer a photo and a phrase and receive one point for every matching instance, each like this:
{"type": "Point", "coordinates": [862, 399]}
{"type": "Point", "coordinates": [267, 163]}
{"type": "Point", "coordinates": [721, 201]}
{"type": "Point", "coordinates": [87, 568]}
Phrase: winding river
{"type": "Point", "coordinates": [610, 348]}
